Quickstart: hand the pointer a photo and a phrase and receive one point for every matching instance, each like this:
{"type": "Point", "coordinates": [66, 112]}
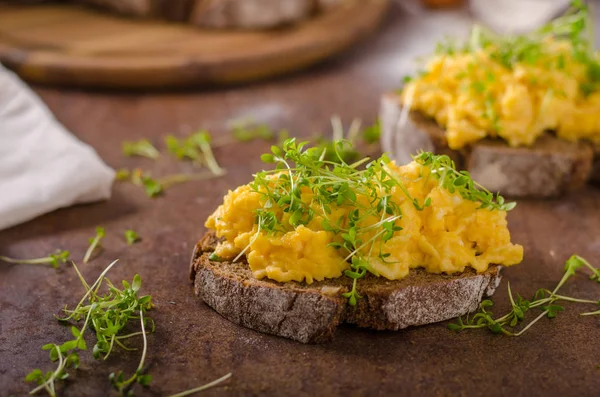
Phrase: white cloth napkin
{"type": "Point", "coordinates": [42, 166]}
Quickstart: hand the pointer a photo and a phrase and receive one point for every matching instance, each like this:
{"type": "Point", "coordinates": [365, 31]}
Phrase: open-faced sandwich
{"type": "Point", "coordinates": [520, 113]}
{"type": "Point", "coordinates": [241, 14]}
{"type": "Point", "coordinates": [316, 242]}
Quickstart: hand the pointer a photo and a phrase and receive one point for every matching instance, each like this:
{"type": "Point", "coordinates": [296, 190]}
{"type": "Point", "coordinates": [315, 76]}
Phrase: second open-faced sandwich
{"type": "Point", "coordinates": [521, 113]}
{"type": "Point", "coordinates": [315, 243]}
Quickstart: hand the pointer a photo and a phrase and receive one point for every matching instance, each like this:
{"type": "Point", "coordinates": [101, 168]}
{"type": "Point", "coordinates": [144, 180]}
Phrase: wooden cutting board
{"type": "Point", "coordinates": [69, 45]}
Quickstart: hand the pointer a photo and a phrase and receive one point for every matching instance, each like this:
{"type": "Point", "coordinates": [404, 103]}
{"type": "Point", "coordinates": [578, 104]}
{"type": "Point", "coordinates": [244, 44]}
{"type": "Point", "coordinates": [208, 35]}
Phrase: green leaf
{"type": "Point", "coordinates": [267, 158]}
{"type": "Point", "coordinates": [140, 148]}
{"type": "Point", "coordinates": [75, 332]}
{"type": "Point", "coordinates": [81, 345]}
{"type": "Point", "coordinates": [54, 353]}
{"type": "Point", "coordinates": [144, 380]}
{"type": "Point", "coordinates": [454, 327]}
{"type": "Point", "coordinates": [69, 345]}
{"type": "Point", "coordinates": [131, 237]}
{"type": "Point", "coordinates": [137, 283]}
{"type": "Point", "coordinates": [572, 264]}
{"type": "Point", "coordinates": [215, 258]}
{"type": "Point", "coordinates": [35, 376]}
{"type": "Point", "coordinates": [276, 151]}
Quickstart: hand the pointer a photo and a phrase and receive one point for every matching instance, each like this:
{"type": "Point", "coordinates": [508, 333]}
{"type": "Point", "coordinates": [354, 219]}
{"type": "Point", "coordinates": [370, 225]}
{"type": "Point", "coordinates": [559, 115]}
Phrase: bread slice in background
{"type": "Point", "coordinates": [242, 14]}
{"type": "Point", "coordinates": [311, 313]}
{"type": "Point", "coordinates": [549, 168]}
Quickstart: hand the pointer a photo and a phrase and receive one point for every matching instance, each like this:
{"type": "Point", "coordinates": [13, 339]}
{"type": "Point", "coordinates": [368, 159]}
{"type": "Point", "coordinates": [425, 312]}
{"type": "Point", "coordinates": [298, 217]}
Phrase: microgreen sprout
{"type": "Point", "coordinates": [141, 148]}
{"type": "Point", "coordinates": [94, 243]}
{"type": "Point", "coordinates": [107, 314]}
{"type": "Point", "coordinates": [55, 259]}
{"type": "Point", "coordinates": [335, 183]}
{"type": "Point", "coordinates": [118, 380]}
{"type": "Point", "coordinates": [196, 147]}
{"type": "Point", "coordinates": [154, 187]}
{"type": "Point", "coordinates": [544, 299]}
{"type": "Point", "coordinates": [444, 169]}
{"type": "Point", "coordinates": [131, 236]}
{"type": "Point", "coordinates": [202, 139]}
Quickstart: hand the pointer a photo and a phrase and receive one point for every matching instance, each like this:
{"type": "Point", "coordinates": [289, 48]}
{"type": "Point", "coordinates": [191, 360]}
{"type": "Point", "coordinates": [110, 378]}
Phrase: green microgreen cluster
{"type": "Point", "coordinates": [444, 169]}
{"type": "Point", "coordinates": [94, 244]}
{"type": "Point", "coordinates": [131, 236]}
{"type": "Point", "coordinates": [55, 259]}
{"type": "Point", "coordinates": [575, 26]}
{"type": "Point", "coordinates": [197, 148]}
{"type": "Point", "coordinates": [544, 300]}
{"type": "Point", "coordinates": [107, 314]}
{"type": "Point", "coordinates": [141, 148]}
{"type": "Point", "coordinates": [363, 187]}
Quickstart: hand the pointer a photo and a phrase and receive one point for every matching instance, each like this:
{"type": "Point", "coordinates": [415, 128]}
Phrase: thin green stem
{"type": "Point", "coordinates": [202, 388]}
{"type": "Point", "coordinates": [89, 291]}
{"type": "Point", "coordinates": [37, 261]}
{"type": "Point", "coordinates": [544, 313]}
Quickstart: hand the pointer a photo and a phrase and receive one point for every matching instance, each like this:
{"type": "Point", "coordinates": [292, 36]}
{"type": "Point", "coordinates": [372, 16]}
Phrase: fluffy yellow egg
{"type": "Point", "coordinates": [447, 236]}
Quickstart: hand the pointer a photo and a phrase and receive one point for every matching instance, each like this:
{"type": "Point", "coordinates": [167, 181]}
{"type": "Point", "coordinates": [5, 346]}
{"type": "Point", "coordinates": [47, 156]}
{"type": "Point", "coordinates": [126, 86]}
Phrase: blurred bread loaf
{"type": "Point", "coordinates": [243, 14]}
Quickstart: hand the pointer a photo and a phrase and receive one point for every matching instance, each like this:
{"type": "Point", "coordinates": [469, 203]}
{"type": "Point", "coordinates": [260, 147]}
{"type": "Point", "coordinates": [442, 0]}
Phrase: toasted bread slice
{"type": "Point", "coordinates": [548, 168]}
{"type": "Point", "coordinates": [245, 14]}
{"type": "Point", "coordinates": [311, 313]}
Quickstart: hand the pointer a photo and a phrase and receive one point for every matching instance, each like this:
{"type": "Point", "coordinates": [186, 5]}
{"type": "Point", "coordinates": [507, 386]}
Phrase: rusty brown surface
{"type": "Point", "coordinates": [193, 345]}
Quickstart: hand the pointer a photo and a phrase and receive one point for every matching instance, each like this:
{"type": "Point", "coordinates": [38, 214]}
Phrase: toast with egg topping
{"type": "Point", "coordinates": [311, 313]}
{"type": "Point", "coordinates": [242, 14]}
{"type": "Point", "coordinates": [520, 113]}
{"type": "Point", "coordinates": [317, 241]}
{"type": "Point", "coordinates": [548, 168]}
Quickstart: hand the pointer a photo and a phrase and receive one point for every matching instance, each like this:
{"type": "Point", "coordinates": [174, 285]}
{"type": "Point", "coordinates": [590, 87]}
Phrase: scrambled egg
{"type": "Point", "coordinates": [473, 96]}
{"type": "Point", "coordinates": [448, 236]}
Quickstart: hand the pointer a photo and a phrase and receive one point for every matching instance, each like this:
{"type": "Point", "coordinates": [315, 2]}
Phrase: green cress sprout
{"type": "Point", "coordinates": [107, 314]}
{"type": "Point", "coordinates": [94, 243]}
{"type": "Point", "coordinates": [334, 182]}
{"type": "Point", "coordinates": [141, 148]}
{"type": "Point", "coordinates": [55, 260]}
{"type": "Point", "coordinates": [196, 147]}
{"type": "Point", "coordinates": [544, 300]}
{"type": "Point", "coordinates": [154, 187]}
{"type": "Point", "coordinates": [131, 237]}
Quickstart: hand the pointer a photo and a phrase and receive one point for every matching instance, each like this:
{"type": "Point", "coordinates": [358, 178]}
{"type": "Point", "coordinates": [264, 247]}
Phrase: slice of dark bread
{"type": "Point", "coordinates": [549, 168]}
{"type": "Point", "coordinates": [311, 313]}
{"type": "Point", "coordinates": [244, 14]}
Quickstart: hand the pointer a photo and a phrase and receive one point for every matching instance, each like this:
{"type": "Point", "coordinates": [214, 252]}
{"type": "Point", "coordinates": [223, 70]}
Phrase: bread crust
{"type": "Point", "coordinates": [311, 313]}
{"type": "Point", "coordinates": [549, 168]}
